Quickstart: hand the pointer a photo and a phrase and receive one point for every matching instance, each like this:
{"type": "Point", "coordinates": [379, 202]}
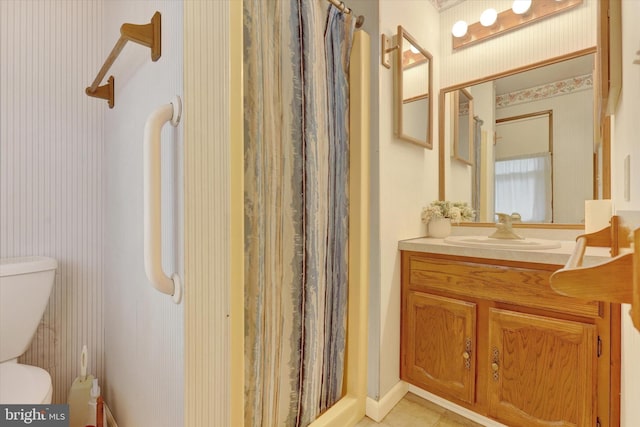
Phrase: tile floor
{"type": "Point", "coordinates": [413, 411]}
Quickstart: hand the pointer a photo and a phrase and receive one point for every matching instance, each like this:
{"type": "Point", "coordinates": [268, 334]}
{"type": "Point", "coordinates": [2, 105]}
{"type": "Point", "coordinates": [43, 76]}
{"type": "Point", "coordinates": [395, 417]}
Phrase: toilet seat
{"type": "Point", "coordinates": [24, 384]}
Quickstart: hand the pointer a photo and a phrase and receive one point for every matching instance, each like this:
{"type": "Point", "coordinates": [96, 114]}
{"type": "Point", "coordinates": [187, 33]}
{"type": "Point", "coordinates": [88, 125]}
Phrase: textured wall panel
{"type": "Point", "coordinates": [51, 171]}
{"type": "Point", "coordinates": [207, 221]}
{"type": "Point", "coordinates": [144, 339]}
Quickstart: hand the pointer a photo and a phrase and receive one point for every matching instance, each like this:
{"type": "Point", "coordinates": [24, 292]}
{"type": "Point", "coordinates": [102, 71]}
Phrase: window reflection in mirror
{"type": "Point", "coordinates": [559, 95]}
{"type": "Point", "coordinates": [413, 100]}
{"type": "Point", "coordinates": [524, 165]}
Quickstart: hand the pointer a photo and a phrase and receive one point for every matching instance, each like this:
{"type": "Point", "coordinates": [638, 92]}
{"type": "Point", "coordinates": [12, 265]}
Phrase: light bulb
{"type": "Point", "coordinates": [488, 17]}
{"type": "Point", "coordinates": [413, 49]}
{"type": "Point", "coordinates": [459, 29]}
{"type": "Point", "coordinates": [521, 6]}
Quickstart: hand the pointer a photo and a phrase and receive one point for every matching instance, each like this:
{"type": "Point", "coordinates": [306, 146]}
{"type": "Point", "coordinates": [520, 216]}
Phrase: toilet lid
{"type": "Point", "coordinates": [23, 384]}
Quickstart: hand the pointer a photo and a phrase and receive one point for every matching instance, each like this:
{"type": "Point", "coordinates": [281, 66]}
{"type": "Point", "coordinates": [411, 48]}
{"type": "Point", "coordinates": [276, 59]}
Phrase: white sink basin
{"type": "Point", "coordinates": [490, 243]}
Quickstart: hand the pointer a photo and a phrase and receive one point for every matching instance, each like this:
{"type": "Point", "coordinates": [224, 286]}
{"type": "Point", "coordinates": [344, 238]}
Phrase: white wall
{"type": "Point", "coordinates": [144, 338]}
{"type": "Point", "coordinates": [399, 185]}
{"type": "Point", "coordinates": [625, 142]}
{"type": "Point", "coordinates": [408, 180]}
{"type": "Point", "coordinates": [51, 174]}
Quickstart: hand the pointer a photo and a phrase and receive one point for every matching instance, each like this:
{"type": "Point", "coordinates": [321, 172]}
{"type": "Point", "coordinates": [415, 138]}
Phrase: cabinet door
{"type": "Point", "coordinates": [439, 350]}
{"type": "Point", "coordinates": [542, 370]}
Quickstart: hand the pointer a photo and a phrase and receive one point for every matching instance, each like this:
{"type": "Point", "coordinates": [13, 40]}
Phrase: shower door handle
{"type": "Point", "coordinates": [152, 193]}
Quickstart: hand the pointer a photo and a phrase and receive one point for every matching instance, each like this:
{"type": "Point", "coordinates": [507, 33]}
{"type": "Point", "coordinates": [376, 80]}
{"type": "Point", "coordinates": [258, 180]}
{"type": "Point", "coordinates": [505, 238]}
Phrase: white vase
{"type": "Point", "coordinates": [439, 228]}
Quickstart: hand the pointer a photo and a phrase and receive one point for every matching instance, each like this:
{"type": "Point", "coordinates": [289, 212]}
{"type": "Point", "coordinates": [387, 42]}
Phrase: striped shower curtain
{"type": "Point", "coordinates": [296, 55]}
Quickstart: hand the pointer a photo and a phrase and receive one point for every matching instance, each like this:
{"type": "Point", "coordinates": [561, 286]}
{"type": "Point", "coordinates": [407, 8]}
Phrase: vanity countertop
{"type": "Point", "coordinates": [558, 256]}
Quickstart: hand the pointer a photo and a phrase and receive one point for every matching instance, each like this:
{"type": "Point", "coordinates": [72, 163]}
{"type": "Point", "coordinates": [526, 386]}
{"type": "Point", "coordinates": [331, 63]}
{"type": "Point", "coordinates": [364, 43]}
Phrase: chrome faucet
{"type": "Point", "coordinates": [504, 228]}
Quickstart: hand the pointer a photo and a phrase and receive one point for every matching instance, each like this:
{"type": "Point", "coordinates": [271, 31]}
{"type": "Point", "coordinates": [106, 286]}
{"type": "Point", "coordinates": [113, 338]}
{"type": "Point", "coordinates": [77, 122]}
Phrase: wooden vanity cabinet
{"type": "Point", "coordinates": [492, 336]}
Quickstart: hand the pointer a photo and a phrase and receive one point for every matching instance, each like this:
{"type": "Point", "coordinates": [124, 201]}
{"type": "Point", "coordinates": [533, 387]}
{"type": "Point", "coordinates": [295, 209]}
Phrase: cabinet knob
{"type": "Point", "coordinates": [467, 353]}
{"type": "Point", "coordinates": [495, 367]}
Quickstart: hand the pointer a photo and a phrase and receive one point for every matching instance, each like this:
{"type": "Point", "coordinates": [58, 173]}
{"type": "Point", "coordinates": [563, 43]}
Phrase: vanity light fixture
{"type": "Point", "coordinates": [488, 17]}
{"type": "Point", "coordinates": [520, 7]}
{"type": "Point", "coordinates": [521, 13]}
{"type": "Point", "coordinates": [459, 29]}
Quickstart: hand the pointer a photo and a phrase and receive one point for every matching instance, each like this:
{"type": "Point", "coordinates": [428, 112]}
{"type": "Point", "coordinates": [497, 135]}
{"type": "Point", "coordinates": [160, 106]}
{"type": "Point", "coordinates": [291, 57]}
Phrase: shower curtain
{"type": "Point", "coordinates": [296, 55]}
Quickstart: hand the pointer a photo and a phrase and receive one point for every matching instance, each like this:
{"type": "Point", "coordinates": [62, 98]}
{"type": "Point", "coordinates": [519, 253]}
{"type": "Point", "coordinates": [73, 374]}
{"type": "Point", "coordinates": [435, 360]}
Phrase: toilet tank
{"type": "Point", "coordinates": [25, 286]}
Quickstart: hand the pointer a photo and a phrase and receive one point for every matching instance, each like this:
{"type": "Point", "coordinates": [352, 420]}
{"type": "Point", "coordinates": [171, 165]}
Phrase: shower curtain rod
{"type": "Point", "coordinates": [344, 9]}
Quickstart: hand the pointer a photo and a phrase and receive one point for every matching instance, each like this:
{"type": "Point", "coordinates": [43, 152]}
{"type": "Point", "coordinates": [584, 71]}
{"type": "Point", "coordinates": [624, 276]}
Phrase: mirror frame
{"type": "Point", "coordinates": [468, 156]}
{"type": "Point", "coordinates": [398, 89]}
{"type": "Point", "coordinates": [603, 137]}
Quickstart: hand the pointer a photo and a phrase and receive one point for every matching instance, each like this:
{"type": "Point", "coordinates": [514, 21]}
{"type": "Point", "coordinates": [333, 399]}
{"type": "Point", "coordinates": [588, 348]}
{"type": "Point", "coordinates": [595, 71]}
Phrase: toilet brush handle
{"type": "Point", "coordinates": [83, 363]}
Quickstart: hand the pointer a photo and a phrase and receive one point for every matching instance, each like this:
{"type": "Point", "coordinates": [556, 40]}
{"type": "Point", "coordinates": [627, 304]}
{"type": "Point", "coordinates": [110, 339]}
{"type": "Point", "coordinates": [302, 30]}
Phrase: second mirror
{"type": "Point", "coordinates": [413, 101]}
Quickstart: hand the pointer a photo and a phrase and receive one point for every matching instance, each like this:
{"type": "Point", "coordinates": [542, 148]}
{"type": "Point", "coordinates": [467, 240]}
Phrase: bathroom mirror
{"type": "Point", "coordinates": [553, 101]}
{"type": "Point", "coordinates": [413, 100]}
{"type": "Point", "coordinates": [462, 125]}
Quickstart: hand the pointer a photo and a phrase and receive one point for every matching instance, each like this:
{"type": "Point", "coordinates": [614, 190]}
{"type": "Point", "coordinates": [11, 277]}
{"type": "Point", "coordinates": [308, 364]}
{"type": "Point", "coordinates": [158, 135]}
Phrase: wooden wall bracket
{"type": "Point", "coordinates": [635, 303]}
{"type": "Point", "coordinates": [609, 281]}
{"type": "Point", "coordinates": [148, 35]}
{"type": "Point", "coordinates": [105, 91]}
{"type": "Point", "coordinates": [616, 280]}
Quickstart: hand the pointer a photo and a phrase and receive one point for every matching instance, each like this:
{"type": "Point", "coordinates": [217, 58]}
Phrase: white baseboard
{"type": "Point", "coordinates": [453, 407]}
{"type": "Point", "coordinates": [111, 422]}
{"type": "Point", "coordinates": [378, 409]}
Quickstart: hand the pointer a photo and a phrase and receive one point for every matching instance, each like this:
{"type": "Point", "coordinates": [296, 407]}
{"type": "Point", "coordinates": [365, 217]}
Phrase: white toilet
{"type": "Point", "coordinates": [25, 286]}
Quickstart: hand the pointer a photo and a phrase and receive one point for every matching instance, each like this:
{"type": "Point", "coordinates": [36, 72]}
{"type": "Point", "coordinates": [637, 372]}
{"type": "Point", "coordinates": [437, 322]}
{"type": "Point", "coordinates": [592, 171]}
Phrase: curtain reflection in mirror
{"type": "Point", "coordinates": [523, 185]}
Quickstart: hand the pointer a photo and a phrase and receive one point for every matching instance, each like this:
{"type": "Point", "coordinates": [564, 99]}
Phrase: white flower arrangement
{"type": "Point", "coordinates": [456, 211]}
